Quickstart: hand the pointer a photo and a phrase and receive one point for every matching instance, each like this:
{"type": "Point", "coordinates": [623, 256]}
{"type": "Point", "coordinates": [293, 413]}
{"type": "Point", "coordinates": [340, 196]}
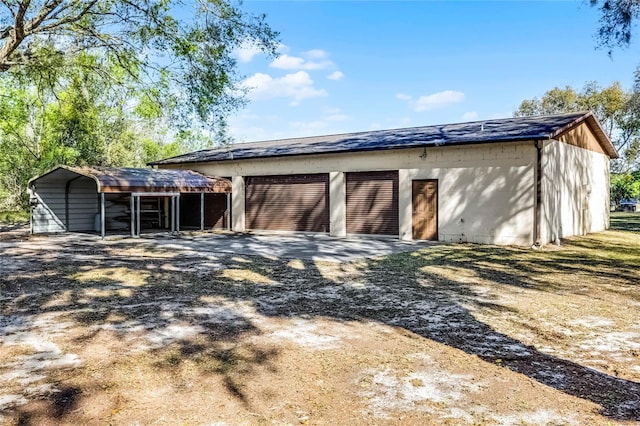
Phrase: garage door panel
{"type": "Point", "coordinates": [288, 203]}
{"type": "Point", "coordinates": [372, 203]}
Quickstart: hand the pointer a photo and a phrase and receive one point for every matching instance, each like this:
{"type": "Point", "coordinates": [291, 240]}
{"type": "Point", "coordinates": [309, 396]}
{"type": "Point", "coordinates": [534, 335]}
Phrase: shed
{"type": "Point", "coordinates": [518, 180]}
{"type": "Point", "coordinates": [102, 199]}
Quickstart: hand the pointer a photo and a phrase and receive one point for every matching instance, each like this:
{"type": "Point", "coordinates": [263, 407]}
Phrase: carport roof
{"type": "Point", "coordinates": [115, 179]}
{"type": "Point", "coordinates": [499, 130]}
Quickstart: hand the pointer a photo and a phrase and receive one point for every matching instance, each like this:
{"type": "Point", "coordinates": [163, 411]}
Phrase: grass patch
{"type": "Point", "coordinates": [13, 217]}
{"type": "Point", "coordinates": [626, 221]}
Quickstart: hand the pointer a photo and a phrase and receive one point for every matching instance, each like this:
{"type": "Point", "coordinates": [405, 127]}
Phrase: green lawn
{"type": "Point", "coordinates": [13, 217]}
{"type": "Point", "coordinates": [625, 221]}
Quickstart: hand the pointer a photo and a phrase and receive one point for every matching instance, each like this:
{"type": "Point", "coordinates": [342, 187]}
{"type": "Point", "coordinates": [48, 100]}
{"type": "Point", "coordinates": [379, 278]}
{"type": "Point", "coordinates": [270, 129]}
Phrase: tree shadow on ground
{"type": "Point", "coordinates": [190, 311]}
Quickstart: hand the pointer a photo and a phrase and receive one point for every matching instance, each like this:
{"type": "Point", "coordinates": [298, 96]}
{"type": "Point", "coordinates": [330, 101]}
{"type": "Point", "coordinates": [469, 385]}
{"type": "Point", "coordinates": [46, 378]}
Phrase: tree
{"type": "Point", "coordinates": [617, 110]}
{"type": "Point", "coordinates": [84, 121]}
{"type": "Point", "coordinates": [183, 47]}
{"type": "Point", "coordinates": [625, 186]}
{"type": "Point", "coordinates": [115, 82]}
{"type": "Point", "coordinates": [616, 22]}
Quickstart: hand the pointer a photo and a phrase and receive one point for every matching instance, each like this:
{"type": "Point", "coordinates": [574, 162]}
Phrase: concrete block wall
{"type": "Point", "coordinates": [575, 191]}
{"type": "Point", "coordinates": [486, 191]}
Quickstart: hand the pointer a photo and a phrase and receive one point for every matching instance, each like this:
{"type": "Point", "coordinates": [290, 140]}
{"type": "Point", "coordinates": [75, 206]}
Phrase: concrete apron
{"type": "Point", "coordinates": [270, 245]}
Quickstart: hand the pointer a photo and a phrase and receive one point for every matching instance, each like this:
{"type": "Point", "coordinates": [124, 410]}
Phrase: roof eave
{"type": "Point", "coordinates": [595, 127]}
{"type": "Point", "coordinates": [172, 161]}
{"type": "Point", "coordinates": [69, 169]}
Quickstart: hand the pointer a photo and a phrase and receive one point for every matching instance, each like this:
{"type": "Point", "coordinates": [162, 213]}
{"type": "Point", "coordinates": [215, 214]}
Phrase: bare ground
{"type": "Point", "coordinates": [451, 334]}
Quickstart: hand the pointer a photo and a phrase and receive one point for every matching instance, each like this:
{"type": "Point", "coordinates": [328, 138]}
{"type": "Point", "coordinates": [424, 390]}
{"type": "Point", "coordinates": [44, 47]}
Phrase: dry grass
{"type": "Point", "coordinates": [452, 334]}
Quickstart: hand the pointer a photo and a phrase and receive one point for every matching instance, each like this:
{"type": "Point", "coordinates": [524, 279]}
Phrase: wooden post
{"type": "Point", "coordinates": [202, 211]}
{"type": "Point", "coordinates": [103, 227]}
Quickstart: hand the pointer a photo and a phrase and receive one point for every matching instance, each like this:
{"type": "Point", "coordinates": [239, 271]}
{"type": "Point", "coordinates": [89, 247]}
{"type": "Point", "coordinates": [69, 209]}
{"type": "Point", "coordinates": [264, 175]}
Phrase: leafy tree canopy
{"type": "Point", "coordinates": [625, 186]}
{"type": "Point", "coordinates": [180, 50]}
{"type": "Point", "coordinates": [616, 22]}
{"type": "Point", "coordinates": [115, 82]}
{"type": "Point", "coordinates": [84, 121]}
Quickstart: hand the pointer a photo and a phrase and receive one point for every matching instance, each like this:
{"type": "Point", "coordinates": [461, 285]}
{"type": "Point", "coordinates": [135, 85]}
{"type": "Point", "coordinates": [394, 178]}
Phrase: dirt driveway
{"type": "Point", "coordinates": [121, 333]}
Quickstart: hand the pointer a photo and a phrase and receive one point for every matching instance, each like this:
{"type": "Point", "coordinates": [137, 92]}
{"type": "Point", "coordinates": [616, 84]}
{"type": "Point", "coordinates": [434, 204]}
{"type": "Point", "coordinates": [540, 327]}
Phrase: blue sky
{"type": "Point", "coordinates": [353, 65]}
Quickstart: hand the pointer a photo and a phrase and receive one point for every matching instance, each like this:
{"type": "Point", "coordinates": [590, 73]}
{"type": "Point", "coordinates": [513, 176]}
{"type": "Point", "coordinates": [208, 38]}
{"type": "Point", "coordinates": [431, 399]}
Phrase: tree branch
{"type": "Point", "coordinates": [34, 26]}
{"type": "Point", "coordinates": [5, 33]}
{"type": "Point", "coordinates": [8, 5]}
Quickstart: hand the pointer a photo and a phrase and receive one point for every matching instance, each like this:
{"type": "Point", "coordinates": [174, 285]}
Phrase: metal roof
{"type": "Point", "coordinates": [486, 131]}
{"type": "Point", "coordinates": [114, 179]}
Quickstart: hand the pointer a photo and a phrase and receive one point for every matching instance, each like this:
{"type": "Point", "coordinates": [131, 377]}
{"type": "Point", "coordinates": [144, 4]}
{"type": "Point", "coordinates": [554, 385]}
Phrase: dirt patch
{"type": "Point", "coordinates": [452, 334]}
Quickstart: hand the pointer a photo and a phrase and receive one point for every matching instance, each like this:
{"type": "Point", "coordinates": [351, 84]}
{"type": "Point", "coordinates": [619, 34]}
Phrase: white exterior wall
{"type": "Point", "coordinates": [237, 202]}
{"type": "Point", "coordinates": [83, 204]}
{"type": "Point", "coordinates": [485, 192]}
{"type": "Point", "coordinates": [337, 204]}
{"type": "Point", "coordinates": [575, 188]}
{"type": "Point", "coordinates": [48, 214]}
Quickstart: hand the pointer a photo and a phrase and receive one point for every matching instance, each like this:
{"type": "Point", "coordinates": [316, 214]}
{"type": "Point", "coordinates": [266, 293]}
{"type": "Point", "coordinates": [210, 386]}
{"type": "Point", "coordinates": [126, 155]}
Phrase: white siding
{"type": "Point", "coordinates": [83, 204]}
{"type": "Point", "coordinates": [49, 212]}
{"type": "Point", "coordinates": [575, 190]}
{"type": "Point", "coordinates": [486, 192]}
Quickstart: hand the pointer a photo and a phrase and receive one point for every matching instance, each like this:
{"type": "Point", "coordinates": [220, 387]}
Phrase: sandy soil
{"type": "Point", "coordinates": [452, 334]}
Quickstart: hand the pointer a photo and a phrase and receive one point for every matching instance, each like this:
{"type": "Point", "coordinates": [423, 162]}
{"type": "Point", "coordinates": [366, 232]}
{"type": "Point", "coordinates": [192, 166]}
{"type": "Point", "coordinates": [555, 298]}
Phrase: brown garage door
{"type": "Point", "coordinates": [288, 203]}
{"type": "Point", "coordinates": [372, 203]}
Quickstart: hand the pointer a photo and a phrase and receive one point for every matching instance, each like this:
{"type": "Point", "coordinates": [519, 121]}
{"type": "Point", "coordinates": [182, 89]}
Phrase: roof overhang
{"type": "Point", "coordinates": [590, 120]}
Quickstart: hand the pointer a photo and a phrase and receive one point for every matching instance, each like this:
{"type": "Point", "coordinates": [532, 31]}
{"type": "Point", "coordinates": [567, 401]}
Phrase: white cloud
{"type": "Point", "coordinates": [240, 133]}
{"type": "Point", "coordinates": [434, 101]}
{"type": "Point", "coordinates": [337, 117]}
{"type": "Point", "coordinates": [308, 128]}
{"type": "Point", "coordinates": [470, 116]}
{"type": "Point", "coordinates": [438, 100]}
{"type": "Point", "coordinates": [316, 54]}
{"type": "Point", "coordinates": [315, 59]}
{"type": "Point", "coordinates": [334, 114]}
{"type": "Point", "coordinates": [282, 48]}
{"type": "Point", "coordinates": [336, 75]}
{"type": "Point", "coordinates": [246, 52]}
{"type": "Point", "coordinates": [297, 86]}
{"type": "Point", "coordinates": [325, 124]}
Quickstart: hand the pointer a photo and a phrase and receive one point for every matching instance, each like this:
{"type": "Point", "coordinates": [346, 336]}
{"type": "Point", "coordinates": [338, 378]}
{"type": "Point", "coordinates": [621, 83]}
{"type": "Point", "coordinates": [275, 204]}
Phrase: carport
{"type": "Point", "coordinates": [102, 199]}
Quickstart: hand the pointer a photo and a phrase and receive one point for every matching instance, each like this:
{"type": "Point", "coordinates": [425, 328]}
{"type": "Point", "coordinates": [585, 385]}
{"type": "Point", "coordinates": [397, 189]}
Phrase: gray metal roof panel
{"type": "Point", "coordinates": [124, 179]}
{"type": "Point", "coordinates": [497, 130]}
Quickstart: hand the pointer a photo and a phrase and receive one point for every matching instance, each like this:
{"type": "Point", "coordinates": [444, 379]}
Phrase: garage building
{"type": "Point", "coordinates": [521, 180]}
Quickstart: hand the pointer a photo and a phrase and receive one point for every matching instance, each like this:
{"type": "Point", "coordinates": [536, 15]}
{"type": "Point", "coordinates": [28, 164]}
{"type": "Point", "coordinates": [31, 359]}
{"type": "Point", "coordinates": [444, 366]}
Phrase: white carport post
{"type": "Point", "coordinates": [103, 228]}
{"type": "Point", "coordinates": [138, 215]}
{"type": "Point", "coordinates": [178, 213]}
{"type": "Point", "coordinates": [228, 212]}
{"type": "Point", "coordinates": [132, 211]}
{"type": "Point", "coordinates": [173, 214]}
{"type": "Point", "coordinates": [202, 211]}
